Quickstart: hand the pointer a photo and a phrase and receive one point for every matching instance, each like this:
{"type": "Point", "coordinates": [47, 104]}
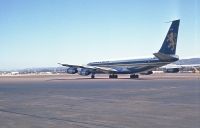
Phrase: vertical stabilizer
{"type": "Point", "coordinates": [169, 44]}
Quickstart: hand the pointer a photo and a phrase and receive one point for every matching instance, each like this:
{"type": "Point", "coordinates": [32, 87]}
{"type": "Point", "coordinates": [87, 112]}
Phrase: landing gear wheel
{"type": "Point", "coordinates": [133, 76]}
{"type": "Point", "coordinates": [113, 76]}
{"type": "Point", "coordinates": [92, 76]}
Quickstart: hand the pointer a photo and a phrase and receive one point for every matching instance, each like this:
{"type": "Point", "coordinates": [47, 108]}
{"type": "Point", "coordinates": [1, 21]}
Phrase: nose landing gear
{"type": "Point", "coordinates": [92, 76]}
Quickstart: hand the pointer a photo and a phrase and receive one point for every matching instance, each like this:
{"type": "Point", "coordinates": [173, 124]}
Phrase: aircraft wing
{"type": "Point", "coordinates": [69, 65]}
{"type": "Point", "coordinates": [191, 65]}
{"type": "Point", "coordinates": [93, 68]}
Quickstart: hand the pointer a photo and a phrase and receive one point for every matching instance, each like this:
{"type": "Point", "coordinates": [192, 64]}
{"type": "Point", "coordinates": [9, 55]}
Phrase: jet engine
{"type": "Point", "coordinates": [72, 70]}
{"type": "Point", "coordinates": [84, 72]}
{"type": "Point", "coordinates": [147, 73]}
{"type": "Point", "coordinates": [171, 70]}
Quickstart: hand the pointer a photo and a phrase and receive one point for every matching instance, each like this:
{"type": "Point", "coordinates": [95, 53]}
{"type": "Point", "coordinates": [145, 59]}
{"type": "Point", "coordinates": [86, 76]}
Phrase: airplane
{"type": "Point", "coordinates": [174, 68]}
{"type": "Point", "coordinates": [164, 56]}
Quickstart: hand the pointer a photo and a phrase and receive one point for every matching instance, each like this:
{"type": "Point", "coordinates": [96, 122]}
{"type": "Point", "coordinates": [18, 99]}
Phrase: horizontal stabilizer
{"type": "Point", "coordinates": [165, 57]}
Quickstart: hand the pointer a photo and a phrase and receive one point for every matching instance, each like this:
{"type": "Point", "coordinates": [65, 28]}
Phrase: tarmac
{"type": "Point", "coordinates": [67, 101]}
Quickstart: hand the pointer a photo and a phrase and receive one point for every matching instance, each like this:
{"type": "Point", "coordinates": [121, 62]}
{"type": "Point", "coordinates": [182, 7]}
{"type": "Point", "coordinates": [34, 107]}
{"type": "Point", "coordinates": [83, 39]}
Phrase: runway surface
{"type": "Point", "coordinates": [62, 101]}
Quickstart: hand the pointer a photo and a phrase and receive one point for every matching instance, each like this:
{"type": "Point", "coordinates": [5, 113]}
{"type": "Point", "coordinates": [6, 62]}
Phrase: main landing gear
{"type": "Point", "coordinates": [111, 76]}
{"type": "Point", "coordinates": [134, 76]}
{"type": "Point", "coordinates": [114, 76]}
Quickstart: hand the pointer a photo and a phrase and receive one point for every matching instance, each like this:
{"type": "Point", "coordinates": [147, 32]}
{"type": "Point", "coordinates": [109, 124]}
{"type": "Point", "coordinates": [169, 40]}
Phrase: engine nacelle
{"type": "Point", "coordinates": [72, 70]}
{"type": "Point", "coordinates": [171, 70]}
{"type": "Point", "coordinates": [84, 72]}
{"type": "Point", "coordinates": [147, 73]}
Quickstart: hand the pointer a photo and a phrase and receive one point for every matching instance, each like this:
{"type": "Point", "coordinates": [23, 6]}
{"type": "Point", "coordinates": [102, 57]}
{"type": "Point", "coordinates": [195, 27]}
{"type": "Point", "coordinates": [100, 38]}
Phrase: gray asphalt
{"type": "Point", "coordinates": [102, 103]}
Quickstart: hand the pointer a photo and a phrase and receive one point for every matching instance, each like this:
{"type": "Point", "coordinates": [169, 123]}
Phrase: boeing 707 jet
{"type": "Point", "coordinates": [166, 55]}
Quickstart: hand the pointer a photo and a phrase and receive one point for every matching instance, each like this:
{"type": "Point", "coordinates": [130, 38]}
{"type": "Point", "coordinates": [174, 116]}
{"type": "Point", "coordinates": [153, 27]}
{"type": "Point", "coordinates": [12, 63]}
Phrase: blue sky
{"type": "Point", "coordinates": [39, 33]}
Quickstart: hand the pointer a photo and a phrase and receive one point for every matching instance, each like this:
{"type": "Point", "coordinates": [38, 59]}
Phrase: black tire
{"type": "Point", "coordinates": [113, 76]}
{"type": "Point", "coordinates": [133, 76]}
{"type": "Point", "coordinates": [92, 76]}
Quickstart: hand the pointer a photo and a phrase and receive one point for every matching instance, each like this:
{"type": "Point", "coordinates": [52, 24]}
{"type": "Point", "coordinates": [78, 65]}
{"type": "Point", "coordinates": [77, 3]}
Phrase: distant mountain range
{"type": "Point", "coordinates": [188, 61]}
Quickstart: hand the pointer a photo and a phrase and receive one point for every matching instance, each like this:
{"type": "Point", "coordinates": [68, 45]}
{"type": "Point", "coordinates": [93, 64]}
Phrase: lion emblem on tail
{"type": "Point", "coordinates": [171, 39]}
